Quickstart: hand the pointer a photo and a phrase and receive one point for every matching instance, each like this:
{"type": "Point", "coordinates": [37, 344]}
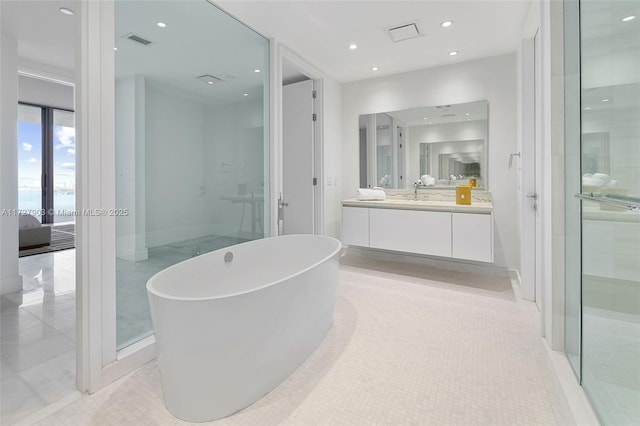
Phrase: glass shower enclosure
{"type": "Point", "coordinates": [602, 296]}
{"type": "Point", "coordinates": [192, 142]}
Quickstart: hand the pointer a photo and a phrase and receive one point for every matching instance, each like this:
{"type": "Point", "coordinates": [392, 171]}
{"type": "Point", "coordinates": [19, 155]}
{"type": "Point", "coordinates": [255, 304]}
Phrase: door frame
{"type": "Point", "coordinates": [280, 53]}
{"type": "Point", "coordinates": [529, 182]}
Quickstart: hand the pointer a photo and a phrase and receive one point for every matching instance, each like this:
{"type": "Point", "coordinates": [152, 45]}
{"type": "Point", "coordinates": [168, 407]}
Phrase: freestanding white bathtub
{"type": "Point", "coordinates": [228, 331]}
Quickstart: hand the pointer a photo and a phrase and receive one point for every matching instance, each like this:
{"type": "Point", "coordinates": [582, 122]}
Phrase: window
{"type": "Point", "coordinates": [46, 163]}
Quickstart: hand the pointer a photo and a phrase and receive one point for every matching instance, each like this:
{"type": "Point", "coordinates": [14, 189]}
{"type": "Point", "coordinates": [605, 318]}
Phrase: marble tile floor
{"type": "Point", "coordinates": [37, 336]}
{"type": "Point", "coordinates": [405, 349]}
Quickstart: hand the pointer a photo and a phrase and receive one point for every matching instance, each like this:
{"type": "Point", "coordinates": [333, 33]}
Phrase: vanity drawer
{"type": "Point", "coordinates": [472, 236]}
{"type": "Point", "coordinates": [355, 226]}
{"type": "Point", "coordinates": [411, 231]}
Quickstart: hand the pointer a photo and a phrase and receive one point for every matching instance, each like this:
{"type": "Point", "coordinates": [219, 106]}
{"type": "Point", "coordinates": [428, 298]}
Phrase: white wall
{"type": "Point", "coordinates": [175, 136]}
{"type": "Point", "coordinates": [492, 79]}
{"type": "Point", "coordinates": [333, 162]}
{"type": "Point", "coordinates": [42, 92]}
{"type": "Point", "coordinates": [130, 144]}
{"type": "Point", "coordinates": [472, 131]}
{"type": "Point", "coordinates": [10, 280]}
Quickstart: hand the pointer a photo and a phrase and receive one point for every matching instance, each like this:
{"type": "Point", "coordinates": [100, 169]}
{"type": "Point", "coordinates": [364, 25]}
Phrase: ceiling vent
{"type": "Point", "coordinates": [137, 39]}
{"type": "Point", "coordinates": [404, 32]}
{"type": "Point", "coordinates": [225, 76]}
{"type": "Point", "coordinates": [209, 79]}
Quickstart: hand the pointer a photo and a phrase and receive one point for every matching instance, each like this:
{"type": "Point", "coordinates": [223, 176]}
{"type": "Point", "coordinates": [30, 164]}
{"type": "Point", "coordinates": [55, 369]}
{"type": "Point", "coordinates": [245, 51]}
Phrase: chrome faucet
{"type": "Point", "coordinates": [417, 184]}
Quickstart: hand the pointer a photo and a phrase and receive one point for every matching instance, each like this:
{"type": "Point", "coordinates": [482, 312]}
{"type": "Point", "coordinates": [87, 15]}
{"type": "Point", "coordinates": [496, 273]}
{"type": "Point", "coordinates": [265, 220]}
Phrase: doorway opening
{"type": "Point", "coordinates": [300, 205]}
{"type": "Point", "coordinates": [38, 316]}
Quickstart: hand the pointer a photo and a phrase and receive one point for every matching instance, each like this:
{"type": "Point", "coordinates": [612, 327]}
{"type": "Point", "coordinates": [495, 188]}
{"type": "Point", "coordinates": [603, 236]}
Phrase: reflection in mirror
{"type": "Point", "coordinates": [440, 146]}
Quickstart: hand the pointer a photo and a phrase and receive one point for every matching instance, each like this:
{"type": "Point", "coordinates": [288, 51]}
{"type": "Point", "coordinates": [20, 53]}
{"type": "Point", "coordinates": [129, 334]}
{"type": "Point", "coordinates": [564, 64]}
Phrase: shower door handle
{"type": "Point", "coordinates": [534, 197]}
{"type": "Point", "coordinates": [620, 201]}
{"type": "Point", "coordinates": [281, 206]}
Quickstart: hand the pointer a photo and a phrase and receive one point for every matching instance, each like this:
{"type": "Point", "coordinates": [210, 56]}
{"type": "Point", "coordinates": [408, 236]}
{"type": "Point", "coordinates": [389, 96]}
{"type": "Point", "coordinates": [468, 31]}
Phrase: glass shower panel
{"type": "Point", "coordinates": [610, 162]}
{"type": "Point", "coordinates": [572, 224]}
{"type": "Point", "coordinates": [192, 146]}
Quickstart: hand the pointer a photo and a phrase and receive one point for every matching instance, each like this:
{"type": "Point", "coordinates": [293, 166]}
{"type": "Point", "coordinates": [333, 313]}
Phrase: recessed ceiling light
{"type": "Point", "coordinates": [66, 11]}
{"type": "Point", "coordinates": [587, 108]}
{"type": "Point", "coordinates": [245, 94]}
{"type": "Point", "coordinates": [605, 100]}
{"type": "Point", "coordinates": [256, 70]}
{"type": "Point", "coordinates": [115, 48]}
{"type": "Point", "coordinates": [374, 68]}
{"type": "Point", "coordinates": [446, 24]}
{"type": "Point", "coordinates": [424, 118]}
{"type": "Point", "coordinates": [453, 53]}
{"type": "Point", "coordinates": [467, 114]}
{"type": "Point", "coordinates": [628, 18]}
{"type": "Point", "coordinates": [161, 24]}
{"type": "Point", "coordinates": [353, 46]}
{"type": "Point", "coordinates": [209, 82]}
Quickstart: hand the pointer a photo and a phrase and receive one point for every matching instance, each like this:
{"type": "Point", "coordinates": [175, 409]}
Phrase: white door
{"type": "Point", "coordinates": [531, 164]}
{"type": "Point", "coordinates": [298, 159]}
{"type": "Point", "coordinates": [537, 175]}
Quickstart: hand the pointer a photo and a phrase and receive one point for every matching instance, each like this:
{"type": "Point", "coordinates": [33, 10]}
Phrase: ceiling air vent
{"type": "Point", "coordinates": [137, 39]}
{"type": "Point", "coordinates": [225, 76]}
{"type": "Point", "coordinates": [404, 32]}
{"type": "Point", "coordinates": [209, 79]}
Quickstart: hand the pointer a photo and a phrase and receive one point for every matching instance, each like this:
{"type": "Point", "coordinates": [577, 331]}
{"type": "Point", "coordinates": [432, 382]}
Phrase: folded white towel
{"type": "Point", "coordinates": [428, 180]}
{"type": "Point", "coordinates": [596, 180]}
{"type": "Point", "coordinates": [370, 194]}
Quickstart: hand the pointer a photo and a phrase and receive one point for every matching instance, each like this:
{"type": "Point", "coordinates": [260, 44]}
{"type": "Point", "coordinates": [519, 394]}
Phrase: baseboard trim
{"type": "Point", "coordinates": [575, 406]}
{"type": "Point", "coordinates": [10, 284]}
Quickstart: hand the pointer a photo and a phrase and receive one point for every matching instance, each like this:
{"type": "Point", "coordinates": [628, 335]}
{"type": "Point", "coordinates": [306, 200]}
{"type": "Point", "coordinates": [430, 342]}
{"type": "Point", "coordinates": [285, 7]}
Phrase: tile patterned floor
{"type": "Point", "coordinates": [405, 349]}
{"type": "Point", "coordinates": [37, 336]}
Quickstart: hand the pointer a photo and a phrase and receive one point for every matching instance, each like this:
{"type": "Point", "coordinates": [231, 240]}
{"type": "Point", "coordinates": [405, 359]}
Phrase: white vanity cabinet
{"type": "Point", "coordinates": [411, 231]}
{"type": "Point", "coordinates": [472, 236]}
{"type": "Point", "coordinates": [451, 234]}
{"type": "Point", "coordinates": [355, 226]}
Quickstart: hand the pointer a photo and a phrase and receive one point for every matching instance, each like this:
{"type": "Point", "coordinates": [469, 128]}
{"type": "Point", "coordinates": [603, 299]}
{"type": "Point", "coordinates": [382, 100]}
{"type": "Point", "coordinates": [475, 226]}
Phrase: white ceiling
{"type": "Point", "coordinates": [44, 34]}
{"type": "Point", "coordinates": [321, 31]}
{"type": "Point", "coordinates": [318, 30]}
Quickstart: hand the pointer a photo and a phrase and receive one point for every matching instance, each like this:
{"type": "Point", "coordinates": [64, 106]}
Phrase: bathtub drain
{"type": "Point", "coordinates": [228, 257]}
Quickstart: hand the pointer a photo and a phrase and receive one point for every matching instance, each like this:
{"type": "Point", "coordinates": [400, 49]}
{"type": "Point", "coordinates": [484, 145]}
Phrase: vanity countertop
{"type": "Point", "coordinates": [428, 205]}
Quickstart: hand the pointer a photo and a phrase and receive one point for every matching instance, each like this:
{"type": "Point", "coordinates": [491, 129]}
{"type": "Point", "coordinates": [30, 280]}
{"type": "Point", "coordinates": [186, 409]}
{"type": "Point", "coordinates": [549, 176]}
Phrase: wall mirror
{"type": "Point", "coordinates": [440, 146]}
